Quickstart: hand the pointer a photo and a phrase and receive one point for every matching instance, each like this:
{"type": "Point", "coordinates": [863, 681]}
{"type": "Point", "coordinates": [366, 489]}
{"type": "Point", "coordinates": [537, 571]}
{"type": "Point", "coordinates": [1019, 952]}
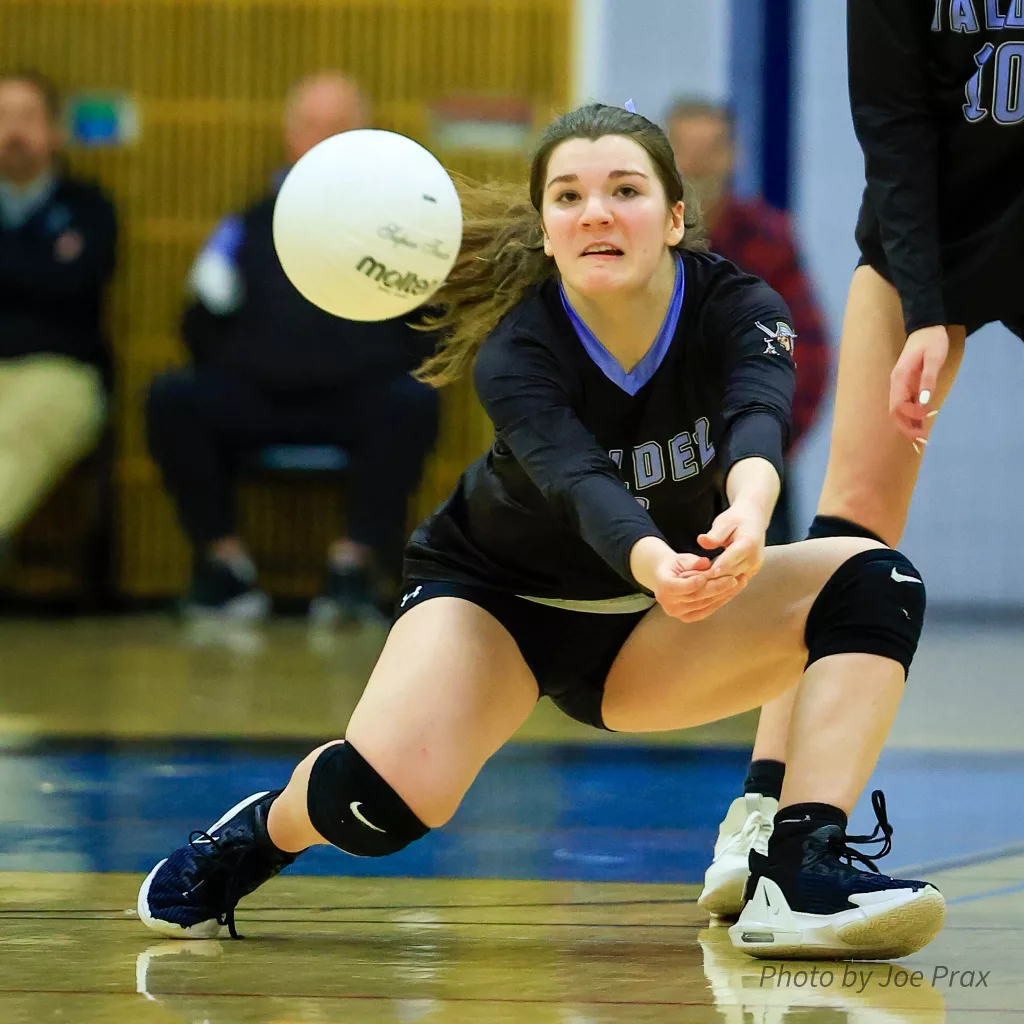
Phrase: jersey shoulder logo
{"type": "Point", "coordinates": [783, 335]}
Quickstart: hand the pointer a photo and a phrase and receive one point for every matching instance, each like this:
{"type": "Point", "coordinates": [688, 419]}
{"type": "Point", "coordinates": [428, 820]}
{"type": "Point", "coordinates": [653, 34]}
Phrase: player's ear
{"type": "Point", "coordinates": [676, 230]}
{"type": "Point", "coordinates": [548, 251]}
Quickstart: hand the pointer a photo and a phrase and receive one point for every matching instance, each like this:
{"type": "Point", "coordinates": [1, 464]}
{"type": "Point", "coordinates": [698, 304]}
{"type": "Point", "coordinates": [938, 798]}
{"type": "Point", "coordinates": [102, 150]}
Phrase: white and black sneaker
{"type": "Point", "coordinates": [806, 900]}
{"type": "Point", "coordinates": [747, 826]}
{"type": "Point", "coordinates": [192, 894]}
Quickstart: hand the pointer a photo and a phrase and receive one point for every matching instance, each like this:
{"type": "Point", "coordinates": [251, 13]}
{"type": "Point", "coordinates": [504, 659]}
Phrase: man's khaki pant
{"type": "Point", "coordinates": [51, 412]}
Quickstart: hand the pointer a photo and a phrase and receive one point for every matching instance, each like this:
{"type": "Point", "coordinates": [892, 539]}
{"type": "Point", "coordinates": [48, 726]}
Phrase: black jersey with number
{"type": "Point", "coordinates": [937, 93]}
{"type": "Point", "coordinates": [580, 469]}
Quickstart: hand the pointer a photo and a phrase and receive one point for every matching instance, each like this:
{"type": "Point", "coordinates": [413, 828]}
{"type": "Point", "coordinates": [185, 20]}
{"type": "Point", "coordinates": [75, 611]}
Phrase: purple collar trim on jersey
{"type": "Point", "coordinates": [633, 381]}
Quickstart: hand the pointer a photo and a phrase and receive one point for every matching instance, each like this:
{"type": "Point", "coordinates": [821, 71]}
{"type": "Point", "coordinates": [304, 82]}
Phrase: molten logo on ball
{"type": "Point", "coordinates": [407, 283]}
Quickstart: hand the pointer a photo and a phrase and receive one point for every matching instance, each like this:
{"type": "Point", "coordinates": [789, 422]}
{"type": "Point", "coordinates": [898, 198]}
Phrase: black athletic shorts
{"type": "Point", "coordinates": [569, 652]}
{"type": "Point", "coordinates": [1014, 324]}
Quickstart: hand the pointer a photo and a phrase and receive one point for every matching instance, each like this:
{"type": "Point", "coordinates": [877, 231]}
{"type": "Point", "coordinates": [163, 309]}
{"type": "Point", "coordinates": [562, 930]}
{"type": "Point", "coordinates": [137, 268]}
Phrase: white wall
{"type": "Point", "coordinates": [650, 50]}
{"type": "Point", "coordinates": [969, 508]}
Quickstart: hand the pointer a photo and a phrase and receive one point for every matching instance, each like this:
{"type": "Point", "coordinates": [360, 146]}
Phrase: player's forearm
{"type": "Point", "coordinates": [755, 484]}
{"type": "Point", "coordinates": [756, 434]}
{"type": "Point", "coordinates": [611, 521]}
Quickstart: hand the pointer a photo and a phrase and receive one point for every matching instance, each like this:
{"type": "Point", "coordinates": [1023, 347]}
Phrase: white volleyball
{"type": "Point", "coordinates": [367, 225]}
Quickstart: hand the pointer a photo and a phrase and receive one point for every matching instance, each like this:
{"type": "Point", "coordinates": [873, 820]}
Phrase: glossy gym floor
{"type": "Point", "coordinates": [563, 891]}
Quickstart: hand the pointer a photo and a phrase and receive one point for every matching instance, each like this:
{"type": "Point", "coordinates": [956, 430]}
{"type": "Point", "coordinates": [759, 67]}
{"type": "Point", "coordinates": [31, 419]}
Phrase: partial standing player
{"type": "Point", "coordinates": [937, 92]}
{"type": "Point", "coordinates": [640, 396]}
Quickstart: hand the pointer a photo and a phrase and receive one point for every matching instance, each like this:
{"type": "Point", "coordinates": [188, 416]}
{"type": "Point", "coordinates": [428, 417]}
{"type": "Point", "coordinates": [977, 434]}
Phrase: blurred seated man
{"type": "Point", "coordinates": [57, 244]}
{"type": "Point", "coordinates": [758, 239]}
{"type": "Point", "coordinates": [269, 368]}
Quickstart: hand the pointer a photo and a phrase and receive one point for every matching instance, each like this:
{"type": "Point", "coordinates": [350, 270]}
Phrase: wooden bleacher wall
{"type": "Point", "coordinates": [209, 77]}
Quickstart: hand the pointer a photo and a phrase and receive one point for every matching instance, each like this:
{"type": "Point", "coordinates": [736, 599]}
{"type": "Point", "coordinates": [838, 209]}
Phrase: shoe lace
{"type": "Point", "coordinates": [882, 834]}
{"type": "Point", "coordinates": [222, 859]}
{"type": "Point", "coordinates": [756, 829]}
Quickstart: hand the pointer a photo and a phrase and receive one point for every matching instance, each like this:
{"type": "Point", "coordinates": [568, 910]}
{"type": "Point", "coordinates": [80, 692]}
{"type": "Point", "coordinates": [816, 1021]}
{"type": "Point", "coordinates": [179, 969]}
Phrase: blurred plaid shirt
{"type": "Point", "coordinates": [758, 239]}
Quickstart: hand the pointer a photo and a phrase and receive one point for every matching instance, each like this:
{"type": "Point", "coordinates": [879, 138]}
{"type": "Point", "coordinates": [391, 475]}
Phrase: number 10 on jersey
{"type": "Point", "coordinates": [1006, 105]}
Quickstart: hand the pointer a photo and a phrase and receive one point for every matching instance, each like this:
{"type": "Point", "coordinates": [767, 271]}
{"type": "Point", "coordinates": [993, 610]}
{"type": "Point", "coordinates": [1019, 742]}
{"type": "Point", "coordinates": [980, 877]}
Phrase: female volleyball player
{"type": "Point", "coordinates": [609, 552]}
{"type": "Point", "coordinates": [937, 92]}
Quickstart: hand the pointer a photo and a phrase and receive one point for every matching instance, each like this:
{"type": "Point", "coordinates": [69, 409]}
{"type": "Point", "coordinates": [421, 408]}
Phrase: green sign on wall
{"type": "Point", "coordinates": [101, 119]}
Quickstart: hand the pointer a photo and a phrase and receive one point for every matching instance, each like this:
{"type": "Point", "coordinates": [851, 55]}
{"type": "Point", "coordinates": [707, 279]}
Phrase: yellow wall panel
{"type": "Point", "coordinates": [209, 77]}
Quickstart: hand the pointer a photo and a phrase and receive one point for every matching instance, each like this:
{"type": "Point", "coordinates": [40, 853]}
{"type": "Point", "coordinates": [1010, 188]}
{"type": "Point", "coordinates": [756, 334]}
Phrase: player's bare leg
{"type": "Point", "coordinates": [448, 690]}
{"type": "Point", "coordinates": [809, 600]}
{"type": "Point", "coordinates": [872, 467]}
{"type": "Point", "coordinates": [870, 480]}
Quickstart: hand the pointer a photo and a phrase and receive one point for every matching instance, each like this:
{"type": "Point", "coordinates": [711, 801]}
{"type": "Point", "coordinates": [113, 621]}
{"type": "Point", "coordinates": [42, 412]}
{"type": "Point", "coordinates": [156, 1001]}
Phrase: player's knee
{"type": "Point", "coordinates": [353, 808]}
{"type": "Point", "coordinates": [872, 604]}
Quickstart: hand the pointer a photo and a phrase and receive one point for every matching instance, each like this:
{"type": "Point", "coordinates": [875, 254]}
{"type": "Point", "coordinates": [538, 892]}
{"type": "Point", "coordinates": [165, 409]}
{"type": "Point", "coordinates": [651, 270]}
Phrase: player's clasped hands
{"type": "Point", "coordinates": [691, 587]}
{"type": "Point", "coordinates": [741, 530]}
{"type": "Point", "coordinates": [686, 590]}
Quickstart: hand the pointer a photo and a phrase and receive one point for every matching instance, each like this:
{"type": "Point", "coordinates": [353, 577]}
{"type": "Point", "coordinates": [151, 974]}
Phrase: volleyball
{"type": "Point", "coordinates": [367, 225]}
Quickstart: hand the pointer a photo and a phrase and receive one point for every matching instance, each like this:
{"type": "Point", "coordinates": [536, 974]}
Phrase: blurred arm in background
{"type": "Point", "coordinates": [215, 287]}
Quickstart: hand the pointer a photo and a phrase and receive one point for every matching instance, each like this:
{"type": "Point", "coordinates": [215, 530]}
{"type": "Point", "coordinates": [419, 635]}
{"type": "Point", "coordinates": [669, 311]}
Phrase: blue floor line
{"type": "Point", "coordinates": [969, 861]}
{"type": "Point", "coordinates": [988, 894]}
{"type": "Point", "coordinates": [559, 812]}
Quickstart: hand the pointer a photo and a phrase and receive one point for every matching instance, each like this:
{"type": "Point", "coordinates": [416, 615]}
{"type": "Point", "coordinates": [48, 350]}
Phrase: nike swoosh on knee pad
{"type": "Point", "coordinates": [900, 578]}
{"type": "Point", "coordinates": [354, 808]}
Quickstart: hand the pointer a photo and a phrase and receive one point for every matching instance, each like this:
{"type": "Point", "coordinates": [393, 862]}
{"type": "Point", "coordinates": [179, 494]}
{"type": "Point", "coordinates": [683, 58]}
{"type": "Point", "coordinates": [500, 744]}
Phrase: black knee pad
{"type": "Point", "coordinates": [351, 806]}
{"type": "Point", "coordinates": [836, 526]}
{"type": "Point", "coordinates": [872, 604]}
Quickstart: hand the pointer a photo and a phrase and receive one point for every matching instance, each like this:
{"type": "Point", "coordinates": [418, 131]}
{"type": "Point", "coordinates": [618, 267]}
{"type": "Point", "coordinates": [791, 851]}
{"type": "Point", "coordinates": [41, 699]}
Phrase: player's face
{"type": "Point", "coordinates": [607, 221]}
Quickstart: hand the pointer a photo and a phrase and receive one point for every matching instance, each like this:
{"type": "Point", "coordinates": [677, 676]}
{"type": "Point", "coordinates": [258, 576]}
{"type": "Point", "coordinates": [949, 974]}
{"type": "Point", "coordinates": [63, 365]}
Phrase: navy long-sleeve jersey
{"type": "Point", "coordinates": [581, 469]}
{"type": "Point", "coordinates": [937, 94]}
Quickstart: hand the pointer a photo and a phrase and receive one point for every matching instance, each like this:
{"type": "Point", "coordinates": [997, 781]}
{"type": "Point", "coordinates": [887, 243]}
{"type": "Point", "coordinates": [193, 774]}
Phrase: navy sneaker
{"type": "Point", "coordinates": [219, 591]}
{"type": "Point", "coordinates": [193, 893]}
{"type": "Point", "coordinates": [807, 900]}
